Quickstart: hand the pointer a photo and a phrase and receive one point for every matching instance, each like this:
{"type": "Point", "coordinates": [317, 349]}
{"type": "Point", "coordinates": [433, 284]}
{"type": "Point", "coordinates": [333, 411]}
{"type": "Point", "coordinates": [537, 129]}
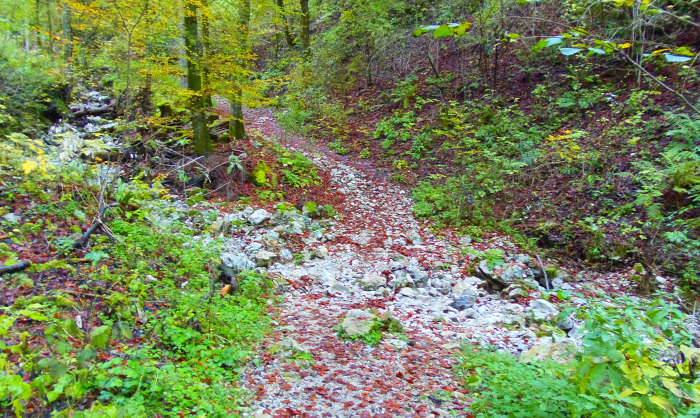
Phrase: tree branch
{"type": "Point", "coordinates": [15, 267]}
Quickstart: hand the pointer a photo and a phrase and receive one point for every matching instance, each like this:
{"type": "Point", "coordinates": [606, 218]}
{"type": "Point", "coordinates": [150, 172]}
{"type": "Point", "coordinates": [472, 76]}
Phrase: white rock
{"type": "Point", "coordinates": [265, 258]}
{"type": "Point", "coordinates": [321, 252]}
{"type": "Point", "coordinates": [464, 287]}
{"type": "Point", "coordinates": [259, 216]}
{"type": "Point", "coordinates": [357, 322]}
{"type": "Point", "coordinates": [561, 351]}
{"type": "Point", "coordinates": [408, 292]}
{"type": "Point", "coordinates": [371, 281]}
{"type": "Point", "coordinates": [540, 309]}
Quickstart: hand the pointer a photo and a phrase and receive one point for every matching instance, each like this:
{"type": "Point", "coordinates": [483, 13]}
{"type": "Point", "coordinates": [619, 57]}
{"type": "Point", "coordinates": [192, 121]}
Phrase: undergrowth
{"type": "Point", "coordinates": [126, 327]}
{"type": "Point", "coordinates": [637, 359]}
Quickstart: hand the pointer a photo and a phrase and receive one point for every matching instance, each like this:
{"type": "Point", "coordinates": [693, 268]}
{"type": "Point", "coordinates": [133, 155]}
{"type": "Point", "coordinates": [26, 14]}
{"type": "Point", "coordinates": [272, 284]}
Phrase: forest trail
{"type": "Point", "coordinates": [377, 234]}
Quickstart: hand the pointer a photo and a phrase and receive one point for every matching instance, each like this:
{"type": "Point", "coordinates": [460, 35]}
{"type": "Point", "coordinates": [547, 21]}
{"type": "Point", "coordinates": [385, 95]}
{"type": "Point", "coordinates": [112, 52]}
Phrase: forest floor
{"type": "Point", "coordinates": [377, 234]}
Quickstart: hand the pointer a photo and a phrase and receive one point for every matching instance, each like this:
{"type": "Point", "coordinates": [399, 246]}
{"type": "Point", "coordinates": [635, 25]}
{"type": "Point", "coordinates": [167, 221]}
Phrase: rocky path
{"type": "Point", "coordinates": [375, 256]}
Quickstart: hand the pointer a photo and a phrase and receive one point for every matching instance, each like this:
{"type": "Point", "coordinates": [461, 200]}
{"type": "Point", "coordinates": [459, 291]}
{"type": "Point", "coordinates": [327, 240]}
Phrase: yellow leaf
{"type": "Point", "coordinates": [673, 387]}
{"type": "Point", "coordinates": [661, 402]}
{"type": "Point", "coordinates": [658, 51]}
{"type": "Point", "coordinates": [625, 45]}
{"type": "Point", "coordinates": [28, 166]}
{"type": "Point", "coordinates": [625, 393]}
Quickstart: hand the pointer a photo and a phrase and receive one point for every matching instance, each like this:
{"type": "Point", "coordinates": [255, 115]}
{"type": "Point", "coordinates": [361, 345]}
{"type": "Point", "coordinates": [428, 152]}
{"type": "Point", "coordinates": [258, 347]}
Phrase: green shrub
{"type": "Point", "coordinates": [637, 359]}
{"type": "Point", "coordinates": [502, 386]}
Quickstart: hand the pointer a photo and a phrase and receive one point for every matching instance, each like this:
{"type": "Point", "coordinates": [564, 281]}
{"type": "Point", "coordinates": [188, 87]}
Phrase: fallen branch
{"type": "Point", "coordinates": [15, 267]}
{"type": "Point", "coordinates": [94, 111]}
{"type": "Point", "coordinates": [88, 295]}
{"type": "Point", "coordinates": [98, 222]}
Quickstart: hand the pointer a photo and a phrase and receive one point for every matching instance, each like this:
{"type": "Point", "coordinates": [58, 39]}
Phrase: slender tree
{"type": "Point", "coordinates": [285, 24]}
{"type": "Point", "coordinates": [67, 32]}
{"type": "Point", "coordinates": [305, 26]}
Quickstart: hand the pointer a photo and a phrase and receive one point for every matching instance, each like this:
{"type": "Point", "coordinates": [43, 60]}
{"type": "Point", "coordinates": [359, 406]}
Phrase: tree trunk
{"type": "Point", "coordinates": [67, 33]}
{"type": "Point", "coordinates": [37, 22]}
{"type": "Point", "coordinates": [305, 23]}
{"type": "Point", "coordinates": [202, 141]}
{"type": "Point", "coordinates": [236, 126]}
{"type": "Point", "coordinates": [49, 25]}
{"type": "Point", "coordinates": [285, 25]}
{"type": "Point", "coordinates": [206, 48]}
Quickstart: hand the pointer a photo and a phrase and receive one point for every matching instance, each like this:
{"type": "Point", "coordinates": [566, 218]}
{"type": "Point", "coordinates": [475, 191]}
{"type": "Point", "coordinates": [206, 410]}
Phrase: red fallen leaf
{"type": "Point", "coordinates": [348, 404]}
{"type": "Point", "coordinates": [286, 386]}
{"type": "Point", "coordinates": [286, 401]}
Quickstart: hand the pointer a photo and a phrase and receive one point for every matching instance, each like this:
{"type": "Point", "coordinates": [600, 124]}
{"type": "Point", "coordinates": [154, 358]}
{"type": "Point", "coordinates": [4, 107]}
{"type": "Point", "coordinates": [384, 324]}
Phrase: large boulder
{"type": "Point", "coordinates": [401, 279]}
{"type": "Point", "coordinates": [464, 302]}
{"type": "Point", "coordinates": [259, 216]}
{"type": "Point", "coordinates": [371, 281]}
{"type": "Point", "coordinates": [264, 258]}
{"type": "Point", "coordinates": [540, 309]}
{"type": "Point", "coordinates": [237, 262]}
{"type": "Point", "coordinates": [357, 322]}
{"type": "Point", "coordinates": [420, 277]}
{"type": "Point", "coordinates": [501, 278]}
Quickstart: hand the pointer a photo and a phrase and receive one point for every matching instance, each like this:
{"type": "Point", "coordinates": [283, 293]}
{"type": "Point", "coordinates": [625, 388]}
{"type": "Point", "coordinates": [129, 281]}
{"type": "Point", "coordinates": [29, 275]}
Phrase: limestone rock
{"type": "Point", "coordinates": [540, 309]}
{"type": "Point", "coordinates": [357, 322]}
{"type": "Point", "coordinates": [408, 292]}
{"type": "Point", "coordinates": [464, 302]}
{"type": "Point", "coordinates": [371, 281]}
{"type": "Point", "coordinates": [517, 292]}
{"type": "Point", "coordinates": [265, 258]}
{"type": "Point", "coordinates": [420, 278]}
{"type": "Point", "coordinates": [259, 216]}
{"type": "Point", "coordinates": [561, 351]}
{"type": "Point", "coordinates": [463, 287]}
{"type": "Point", "coordinates": [237, 261]}
{"type": "Point", "coordinates": [321, 252]}
{"type": "Point", "coordinates": [565, 324]}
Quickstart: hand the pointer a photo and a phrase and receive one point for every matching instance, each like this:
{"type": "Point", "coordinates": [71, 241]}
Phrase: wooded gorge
{"type": "Point", "coordinates": [353, 208]}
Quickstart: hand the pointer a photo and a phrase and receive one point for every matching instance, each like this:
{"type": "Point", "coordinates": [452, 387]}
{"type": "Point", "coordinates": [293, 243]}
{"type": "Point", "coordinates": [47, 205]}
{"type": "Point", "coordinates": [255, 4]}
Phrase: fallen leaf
{"type": "Point", "coordinates": [225, 290]}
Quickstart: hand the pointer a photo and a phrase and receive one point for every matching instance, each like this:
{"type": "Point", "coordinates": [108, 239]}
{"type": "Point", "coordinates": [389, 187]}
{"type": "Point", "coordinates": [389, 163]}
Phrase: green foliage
{"type": "Point", "coordinates": [618, 372]}
{"type": "Point", "coordinates": [628, 376]}
{"type": "Point", "coordinates": [297, 170]}
{"type": "Point", "coordinates": [498, 381]}
{"type": "Point", "coordinates": [382, 323]}
{"type": "Point", "coordinates": [670, 193]}
{"type": "Point", "coordinates": [176, 358]}
{"type": "Point", "coordinates": [31, 90]}
{"type": "Point", "coordinates": [338, 147]}
{"type": "Point", "coordinates": [405, 91]}
{"type": "Point", "coordinates": [398, 127]}
{"type": "Point", "coordinates": [263, 176]}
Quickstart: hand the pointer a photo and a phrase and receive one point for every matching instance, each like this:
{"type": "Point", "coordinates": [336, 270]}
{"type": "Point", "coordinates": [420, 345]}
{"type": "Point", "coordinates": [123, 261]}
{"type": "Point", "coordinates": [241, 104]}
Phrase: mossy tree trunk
{"type": "Point", "coordinates": [236, 127]}
{"type": "Point", "coordinates": [202, 141]}
{"type": "Point", "coordinates": [206, 48]}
